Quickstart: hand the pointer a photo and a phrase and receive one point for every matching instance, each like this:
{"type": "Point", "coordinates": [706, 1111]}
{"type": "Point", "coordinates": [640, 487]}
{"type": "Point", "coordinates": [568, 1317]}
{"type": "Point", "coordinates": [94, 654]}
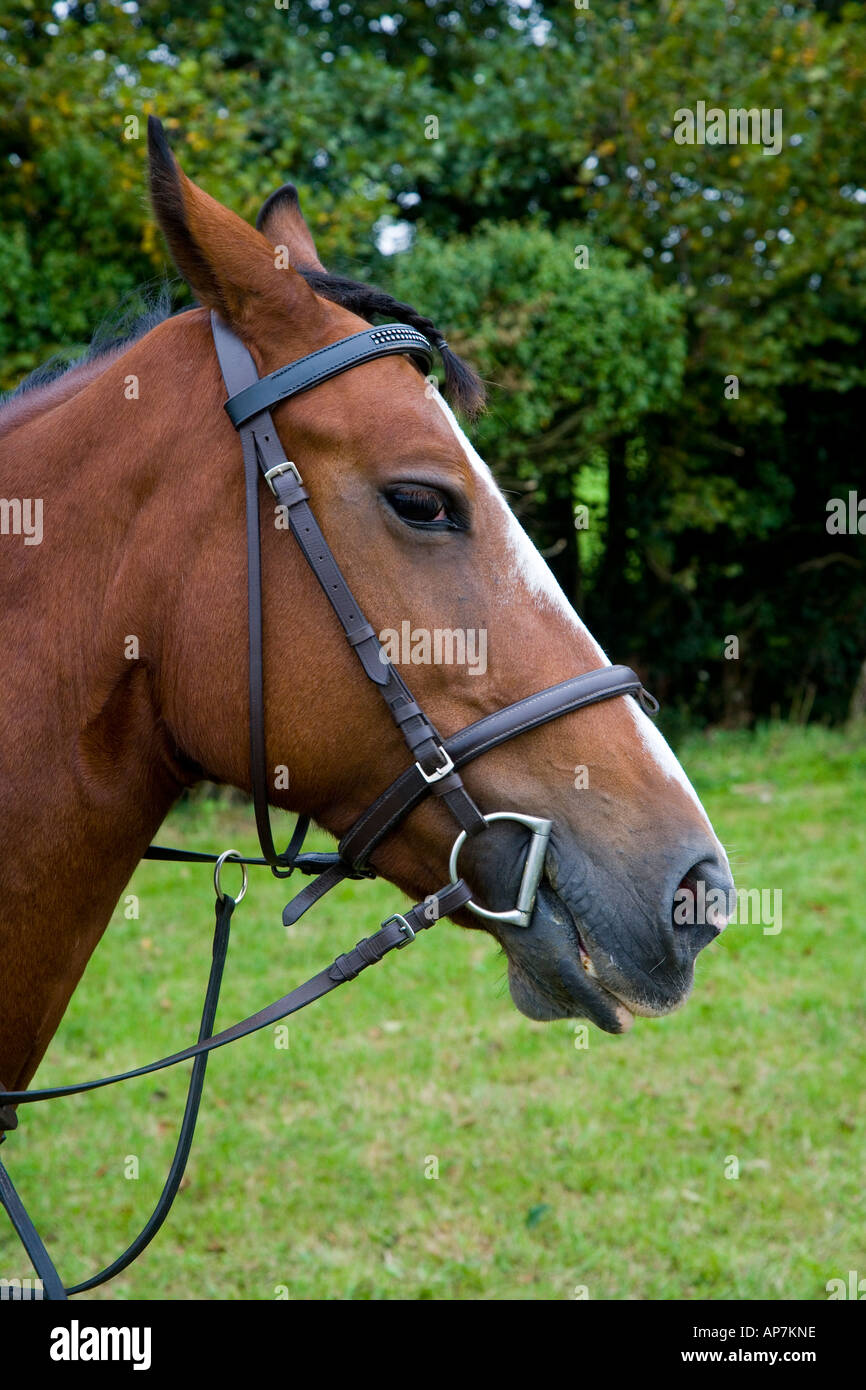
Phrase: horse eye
{"type": "Point", "coordinates": [419, 506]}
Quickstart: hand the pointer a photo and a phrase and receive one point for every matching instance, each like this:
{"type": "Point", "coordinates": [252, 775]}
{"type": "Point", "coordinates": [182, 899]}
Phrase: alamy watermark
{"type": "Point", "coordinates": [21, 1289]}
{"type": "Point", "coordinates": [854, 1287]}
{"type": "Point", "coordinates": [439, 646]}
{"type": "Point", "coordinates": [717, 907]}
{"type": "Point", "coordinates": [22, 516]}
{"type": "Point", "coordinates": [846, 516]}
{"type": "Point", "coordinates": [736, 126]}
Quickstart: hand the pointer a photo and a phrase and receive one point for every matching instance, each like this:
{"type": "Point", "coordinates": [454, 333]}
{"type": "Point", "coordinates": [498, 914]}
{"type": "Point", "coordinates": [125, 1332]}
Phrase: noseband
{"type": "Point", "coordinates": [433, 769]}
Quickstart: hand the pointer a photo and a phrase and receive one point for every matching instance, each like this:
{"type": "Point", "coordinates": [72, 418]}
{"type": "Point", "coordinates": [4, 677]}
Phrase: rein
{"type": "Point", "coordinates": [434, 768]}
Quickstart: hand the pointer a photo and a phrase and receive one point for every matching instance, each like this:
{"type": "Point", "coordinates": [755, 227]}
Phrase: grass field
{"type": "Point", "coordinates": [558, 1166]}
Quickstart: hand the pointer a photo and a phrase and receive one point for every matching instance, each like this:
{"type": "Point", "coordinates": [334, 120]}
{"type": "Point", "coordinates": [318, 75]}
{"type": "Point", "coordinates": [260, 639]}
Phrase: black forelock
{"type": "Point", "coordinates": [463, 387]}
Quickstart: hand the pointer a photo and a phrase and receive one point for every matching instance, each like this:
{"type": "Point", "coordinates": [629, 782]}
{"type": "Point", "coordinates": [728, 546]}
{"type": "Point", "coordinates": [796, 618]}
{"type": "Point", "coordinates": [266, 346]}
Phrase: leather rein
{"type": "Point", "coordinates": [434, 770]}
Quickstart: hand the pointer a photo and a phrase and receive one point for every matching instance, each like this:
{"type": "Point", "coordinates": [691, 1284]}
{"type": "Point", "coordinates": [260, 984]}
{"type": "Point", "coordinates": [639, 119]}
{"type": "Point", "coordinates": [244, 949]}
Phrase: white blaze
{"type": "Point", "coordinates": [528, 567]}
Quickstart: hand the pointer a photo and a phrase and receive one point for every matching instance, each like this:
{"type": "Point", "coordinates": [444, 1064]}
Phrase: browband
{"type": "Point", "coordinates": [329, 361]}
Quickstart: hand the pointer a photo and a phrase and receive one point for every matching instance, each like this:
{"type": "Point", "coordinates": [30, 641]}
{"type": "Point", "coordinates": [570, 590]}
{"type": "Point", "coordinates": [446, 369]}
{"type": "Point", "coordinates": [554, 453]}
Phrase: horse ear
{"type": "Point", "coordinates": [282, 222]}
{"type": "Point", "coordinates": [230, 267]}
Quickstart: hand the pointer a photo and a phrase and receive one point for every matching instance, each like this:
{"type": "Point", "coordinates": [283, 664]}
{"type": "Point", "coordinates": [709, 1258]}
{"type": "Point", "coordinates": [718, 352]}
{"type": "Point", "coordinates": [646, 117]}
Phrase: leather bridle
{"type": "Point", "coordinates": [434, 770]}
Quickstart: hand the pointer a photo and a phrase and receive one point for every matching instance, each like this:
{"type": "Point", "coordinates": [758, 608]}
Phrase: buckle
{"type": "Point", "coordinates": [406, 928]}
{"type": "Point", "coordinates": [286, 467]}
{"type": "Point", "coordinates": [440, 772]}
{"type": "Point", "coordinates": [362, 871]}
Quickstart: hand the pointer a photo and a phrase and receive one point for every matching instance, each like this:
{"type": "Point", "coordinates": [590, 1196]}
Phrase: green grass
{"type": "Point", "coordinates": [558, 1166]}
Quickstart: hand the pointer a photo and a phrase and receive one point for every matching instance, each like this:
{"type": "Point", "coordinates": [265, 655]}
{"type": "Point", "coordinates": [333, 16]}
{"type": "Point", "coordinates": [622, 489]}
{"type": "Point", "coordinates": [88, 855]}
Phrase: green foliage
{"type": "Point", "coordinates": [580, 354]}
{"type": "Point", "coordinates": [504, 136]}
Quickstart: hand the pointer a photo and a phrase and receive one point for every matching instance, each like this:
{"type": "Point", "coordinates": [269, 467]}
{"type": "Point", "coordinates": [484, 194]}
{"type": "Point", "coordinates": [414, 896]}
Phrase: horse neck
{"type": "Point", "coordinates": [88, 769]}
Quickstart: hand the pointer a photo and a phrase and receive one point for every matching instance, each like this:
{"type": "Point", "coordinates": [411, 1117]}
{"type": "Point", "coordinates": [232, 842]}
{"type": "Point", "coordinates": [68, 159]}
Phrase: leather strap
{"type": "Point", "coordinates": [281, 865]}
{"type": "Point", "coordinates": [408, 790]}
{"type": "Point", "coordinates": [329, 361]}
{"type": "Point", "coordinates": [262, 450]}
{"type": "Point", "coordinates": [404, 794]}
{"type": "Point", "coordinates": [52, 1285]}
{"type": "Point", "coordinates": [395, 933]}
{"type": "Point", "coordinates": [311, 862]}
{"type": "Point", "coordinates": [310, 895]}
{"type": "Point", "coordinates": [224, 909]}
{"type": "Point", "coordinates": [392, 935]}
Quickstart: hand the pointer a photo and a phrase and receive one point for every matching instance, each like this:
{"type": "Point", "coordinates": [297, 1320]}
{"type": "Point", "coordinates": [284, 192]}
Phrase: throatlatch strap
{"type": "Point", "coordinates": [310, 862]}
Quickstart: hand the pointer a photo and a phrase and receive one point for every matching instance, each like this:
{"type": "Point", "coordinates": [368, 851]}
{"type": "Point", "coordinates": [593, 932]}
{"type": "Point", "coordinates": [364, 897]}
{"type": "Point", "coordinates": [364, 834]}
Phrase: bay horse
{"type": "Point", "coordinates": [121, 626]}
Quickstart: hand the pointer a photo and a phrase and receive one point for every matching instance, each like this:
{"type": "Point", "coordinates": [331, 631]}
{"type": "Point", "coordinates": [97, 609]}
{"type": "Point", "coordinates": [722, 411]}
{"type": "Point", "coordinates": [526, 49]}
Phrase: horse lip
{"type": "Point", "coordinates": [562, 988]}
{"type": "Point", "coordinates": [589, 968]}
{"type": "Point", "coordinates": [595, 976]}
{"type": "Point", "coordinates": [634, 1007]}
{"type": "Point", "coordinates": [622, 1010]}
{"type": "Point", "coordinates": [579, 997]}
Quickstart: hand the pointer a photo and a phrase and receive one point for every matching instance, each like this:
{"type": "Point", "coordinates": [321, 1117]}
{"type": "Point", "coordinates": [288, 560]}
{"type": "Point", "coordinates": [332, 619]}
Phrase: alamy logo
{"type": "Point", "coordinates": [21, 1288]}
{"type": "Point", "coordinates": [22, 516]}
{"type": "Point", "coordinates": [847, 518]}
{"type": "Point", "coordinates": [76, 1343]}
{"type": "Point", "coordinates": [718, 908]}
{"type": "Point", "coordinates": [443, 646]}
{"type": "Point", "coordinates": [736, 126]}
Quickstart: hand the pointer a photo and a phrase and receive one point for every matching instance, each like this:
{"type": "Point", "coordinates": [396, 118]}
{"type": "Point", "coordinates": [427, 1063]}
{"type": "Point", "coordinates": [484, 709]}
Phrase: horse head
{"type": "Point", "coordinates": [125, 640]}
{"type": "Point", "coordinates": [459, 595]}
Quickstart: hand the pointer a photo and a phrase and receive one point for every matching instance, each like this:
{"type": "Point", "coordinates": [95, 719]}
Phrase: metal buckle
{"type": "Point", "coordinates": [406, 928]}
{"type": "Point", "coordinates": [286, 467]}
{"type": "Point", "coordinates": [521, 914]}
{"type": "Point", "coordinates": [440, 772]}
{"type": "Point", "coordinates": [361, 871]}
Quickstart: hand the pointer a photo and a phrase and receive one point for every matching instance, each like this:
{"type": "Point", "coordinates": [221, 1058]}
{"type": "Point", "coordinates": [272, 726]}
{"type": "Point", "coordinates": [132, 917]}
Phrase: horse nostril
{"type": "Point", "coordinates": [703, 898]}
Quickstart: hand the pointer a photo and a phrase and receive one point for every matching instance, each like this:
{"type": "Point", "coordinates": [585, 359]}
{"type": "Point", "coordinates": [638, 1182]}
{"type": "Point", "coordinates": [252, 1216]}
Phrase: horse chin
{"type": "Point", "coordinates": [573, 996]}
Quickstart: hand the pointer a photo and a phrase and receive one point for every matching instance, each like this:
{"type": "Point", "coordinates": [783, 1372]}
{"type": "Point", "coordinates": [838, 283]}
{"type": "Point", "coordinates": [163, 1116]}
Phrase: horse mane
{"type": "Point", "coordinates": [135, 316]}
{"type": "Point", "coordinates": [130, 322]}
